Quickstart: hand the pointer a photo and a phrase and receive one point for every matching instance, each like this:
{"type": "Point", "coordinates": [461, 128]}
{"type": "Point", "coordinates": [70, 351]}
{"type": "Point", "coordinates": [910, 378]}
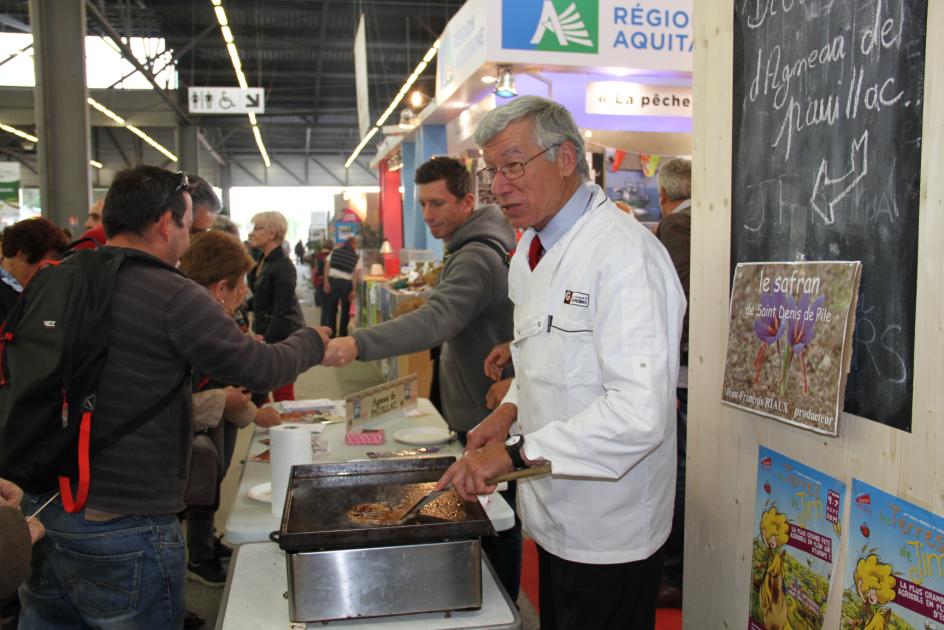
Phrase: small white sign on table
{"type": "Point", "coordinates": [368, 404]}
{"type": "Point", "coordinates": [225, 100]}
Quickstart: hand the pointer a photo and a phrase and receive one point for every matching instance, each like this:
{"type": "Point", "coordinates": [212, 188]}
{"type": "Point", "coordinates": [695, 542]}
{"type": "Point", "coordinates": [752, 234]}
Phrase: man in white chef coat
{"type": "Point", "coordinates": [598, 318]}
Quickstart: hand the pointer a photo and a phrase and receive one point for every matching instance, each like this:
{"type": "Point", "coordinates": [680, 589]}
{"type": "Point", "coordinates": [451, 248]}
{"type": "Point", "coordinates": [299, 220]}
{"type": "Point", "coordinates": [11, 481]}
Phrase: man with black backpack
{"type": "Point", "coordinates": [113, 556]}
{"type": "Point", "coordinates": [468, 313]}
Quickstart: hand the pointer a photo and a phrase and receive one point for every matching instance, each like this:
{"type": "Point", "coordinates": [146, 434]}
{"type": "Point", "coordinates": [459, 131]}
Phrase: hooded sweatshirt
{"type": "Point", "coordinates": [468, 314]}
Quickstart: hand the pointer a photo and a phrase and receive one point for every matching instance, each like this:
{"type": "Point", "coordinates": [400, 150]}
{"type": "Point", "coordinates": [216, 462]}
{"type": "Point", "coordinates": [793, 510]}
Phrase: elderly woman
{"type": "Point", "coordinates": [277, 313]}
{"type": "Point", "coordinates": [25, 245]}
{"type": "Point", "coordinates": [218, 261]}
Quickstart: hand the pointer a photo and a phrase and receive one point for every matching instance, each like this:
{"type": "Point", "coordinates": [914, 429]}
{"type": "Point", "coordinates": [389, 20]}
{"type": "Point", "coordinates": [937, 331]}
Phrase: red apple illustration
{"type": "Point", "coordinates": [864, 529]}
{"type": "Point", "coordinates": [767, 487]}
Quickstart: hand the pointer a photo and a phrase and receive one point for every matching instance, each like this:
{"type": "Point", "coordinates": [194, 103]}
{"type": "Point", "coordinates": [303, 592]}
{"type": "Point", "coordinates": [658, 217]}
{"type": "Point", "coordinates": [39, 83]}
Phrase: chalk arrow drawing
{"type": "Point", "coordinates": [838, 187]}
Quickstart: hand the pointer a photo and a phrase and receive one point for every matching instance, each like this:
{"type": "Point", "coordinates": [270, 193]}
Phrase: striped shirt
{"type": "Point", "coordinates": [162, 324]}
{"type": "Point", "coordinates": [343, 261]}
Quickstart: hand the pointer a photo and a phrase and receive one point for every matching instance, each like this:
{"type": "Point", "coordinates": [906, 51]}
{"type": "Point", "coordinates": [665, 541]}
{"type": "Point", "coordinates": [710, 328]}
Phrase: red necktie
{"type": "Point", "coordinates": [535, 252]}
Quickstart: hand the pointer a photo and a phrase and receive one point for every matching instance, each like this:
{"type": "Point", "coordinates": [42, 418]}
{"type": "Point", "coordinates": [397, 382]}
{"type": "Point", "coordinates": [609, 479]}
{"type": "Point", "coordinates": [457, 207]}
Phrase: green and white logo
{"type": "Point", "coordinates": [575, 29]}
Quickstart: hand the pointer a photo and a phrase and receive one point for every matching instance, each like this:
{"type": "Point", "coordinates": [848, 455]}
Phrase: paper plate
{"type": "Point", "coordinates": [262, 492]}
{"type": "Point", "coordinates": [423, 436]}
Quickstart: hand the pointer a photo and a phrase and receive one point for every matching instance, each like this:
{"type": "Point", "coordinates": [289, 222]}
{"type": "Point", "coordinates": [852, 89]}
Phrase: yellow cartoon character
{"type": "Point", "coordinates": [875, 584]}
{"type": "Point", "coordinates": [879, 619]}
{"type": "Point", "coordinates": [773, 601]}
{"type": "Point", "coordinates": [774, 529]}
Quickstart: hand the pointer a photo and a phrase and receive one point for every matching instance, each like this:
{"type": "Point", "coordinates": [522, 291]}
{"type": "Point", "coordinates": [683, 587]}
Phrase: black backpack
{"type": "Point", "coordinates": [53, 346]}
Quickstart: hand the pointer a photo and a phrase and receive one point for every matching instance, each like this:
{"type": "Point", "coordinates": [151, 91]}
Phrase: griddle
{"type": "Point", "coordinates": [315, 516]}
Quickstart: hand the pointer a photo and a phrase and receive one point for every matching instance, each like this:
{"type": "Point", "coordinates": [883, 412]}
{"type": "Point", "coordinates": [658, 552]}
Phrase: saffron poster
{"type": "Point", "coordinates": [797, 531]}
{"type": "Point", "coordinates": [789, 340]}
{"type": "Point", "coordinates": [894, 575]}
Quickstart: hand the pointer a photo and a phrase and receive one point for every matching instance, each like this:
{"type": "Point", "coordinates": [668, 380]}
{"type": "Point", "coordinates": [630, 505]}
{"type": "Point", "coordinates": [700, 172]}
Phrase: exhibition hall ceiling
{"type": "Point", "coordinates": [299, 51]}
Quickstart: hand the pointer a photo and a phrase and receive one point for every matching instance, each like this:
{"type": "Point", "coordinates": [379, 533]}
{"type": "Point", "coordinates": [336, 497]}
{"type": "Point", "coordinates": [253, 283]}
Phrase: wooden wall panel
{"type": "Point", "coordinates": [723, 441]}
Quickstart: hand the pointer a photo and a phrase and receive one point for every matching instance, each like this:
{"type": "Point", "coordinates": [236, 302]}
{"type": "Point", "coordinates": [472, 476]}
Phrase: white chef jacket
{"type": "Point", "coordinates": [596, 353]}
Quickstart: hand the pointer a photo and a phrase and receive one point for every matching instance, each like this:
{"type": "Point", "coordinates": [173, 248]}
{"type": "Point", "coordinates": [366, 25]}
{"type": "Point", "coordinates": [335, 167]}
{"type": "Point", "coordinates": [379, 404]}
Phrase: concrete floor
{"type": "Point", "coordinates": [318, 382]}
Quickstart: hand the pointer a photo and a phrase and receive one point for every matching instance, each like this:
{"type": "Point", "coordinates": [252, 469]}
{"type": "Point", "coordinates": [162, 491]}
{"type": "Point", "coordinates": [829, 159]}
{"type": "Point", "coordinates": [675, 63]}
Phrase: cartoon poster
{"type": "Point", "coordinates": [797, 531]}
{"type": "Point", "coordinates": [789, 340]}
{"type": "Point", "coordinates": [894, 576]}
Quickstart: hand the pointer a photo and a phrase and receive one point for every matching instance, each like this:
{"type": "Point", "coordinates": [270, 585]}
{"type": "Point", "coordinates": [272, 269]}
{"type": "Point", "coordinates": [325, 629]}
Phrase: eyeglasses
{"type": "Point", "coordinates": [182, 184]}
{"type": "Point", "coordinates": [512, 170]}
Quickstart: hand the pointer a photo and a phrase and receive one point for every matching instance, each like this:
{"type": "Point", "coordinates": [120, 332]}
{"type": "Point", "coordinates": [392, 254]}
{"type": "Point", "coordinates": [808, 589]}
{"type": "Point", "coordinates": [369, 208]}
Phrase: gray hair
{"type": "Point", "coordinates": [202, 194]}
{"type": "Point", "coordinates": [675, 176]}
{"type": "Point", "coordinates": [273, 221]}
{"type": "Point", "coordinates": [223, 223]}
{"type": "Point", "coordinates": [551, 122]}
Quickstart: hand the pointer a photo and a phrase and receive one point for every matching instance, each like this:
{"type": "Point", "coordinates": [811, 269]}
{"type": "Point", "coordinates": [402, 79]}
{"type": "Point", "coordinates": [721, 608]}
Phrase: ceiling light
{"type": "Point", "coordinates": [121, 121]}
{"type": "Point", "coordinates": [221, 15]}
{"type": "Point", "coordinates": [360, 147]}
{"type": "Point", "coordinates": [17, 132]}
{"type": "Point", "coordinates": [118, 119]}
{"type": "Point", "coordinates": [488, 79]}
{"type": "Point", "coordinates": [234, 55]}
{"type": "Point", "coordinates": [428, 57]}
{"type": "Point", "coordinates": [416, 99]}
{"type": "Point", "coordinates": [30, 137]}
{"type": "Point", "coordinates": [407, 118]}
{"type": "Point", "coordinates": [265, 154]}
{"type": "Point", "coordinates": [505, 87]}
{"type": "Point", "coordinates": [151, 141]}
{"type": "Point", "coordinates": [238, 71]}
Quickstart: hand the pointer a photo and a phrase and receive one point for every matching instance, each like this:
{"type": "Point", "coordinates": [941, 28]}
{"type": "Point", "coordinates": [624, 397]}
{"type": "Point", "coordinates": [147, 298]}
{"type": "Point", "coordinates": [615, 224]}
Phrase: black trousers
{"type": "Point", "coordinates": [675, 546]}
{"type": "Point", "coordinates": [337, 299]}
{"type": "Point", "coordinates": [504, 550]}
{"type": "Point", "coordinates": [577, 596]}
{"type": "Point", "coordinates": [201, 533]}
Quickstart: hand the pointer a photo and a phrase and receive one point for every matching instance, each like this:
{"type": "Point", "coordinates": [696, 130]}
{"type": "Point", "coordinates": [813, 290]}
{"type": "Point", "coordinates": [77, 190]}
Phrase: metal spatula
{"type": "Point", "coordinates": [410, 514]}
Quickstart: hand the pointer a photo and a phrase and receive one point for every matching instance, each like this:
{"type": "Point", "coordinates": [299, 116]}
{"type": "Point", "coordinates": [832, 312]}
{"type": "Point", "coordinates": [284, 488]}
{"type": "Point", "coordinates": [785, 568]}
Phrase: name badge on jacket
{"type": "Point", "coordinates": [575, 298]}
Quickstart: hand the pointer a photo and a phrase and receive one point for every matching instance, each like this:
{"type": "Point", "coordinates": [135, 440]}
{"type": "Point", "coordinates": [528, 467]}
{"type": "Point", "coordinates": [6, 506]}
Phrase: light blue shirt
{"type": "Point", "coordinates": [557, 227]}
{"type": "Point", "coordinates": [7, 278]}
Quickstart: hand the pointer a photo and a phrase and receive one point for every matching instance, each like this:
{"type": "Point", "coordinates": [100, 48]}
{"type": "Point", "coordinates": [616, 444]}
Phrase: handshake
{"type": "Point", "coordinates": [338, 352]}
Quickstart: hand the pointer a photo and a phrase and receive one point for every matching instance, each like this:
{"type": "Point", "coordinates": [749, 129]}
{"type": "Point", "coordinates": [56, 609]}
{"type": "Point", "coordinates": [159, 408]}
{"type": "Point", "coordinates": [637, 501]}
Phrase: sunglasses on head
{"type": "Point", "coordinates": [183, 184]}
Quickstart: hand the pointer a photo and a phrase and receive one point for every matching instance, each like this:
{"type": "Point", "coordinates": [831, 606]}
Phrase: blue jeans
{"type": "Point", "coordinates": [126, 573]}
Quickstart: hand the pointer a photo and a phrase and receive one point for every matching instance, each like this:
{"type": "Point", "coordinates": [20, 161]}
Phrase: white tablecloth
{"type": "Point", "coordinates": [251, 521]}
{"type": "Point", "coordinates": [255, 598]}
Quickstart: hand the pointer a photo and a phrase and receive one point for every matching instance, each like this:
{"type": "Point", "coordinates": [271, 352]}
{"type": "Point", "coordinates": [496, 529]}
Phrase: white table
{"type": "Point", "coordinates": [255, 598]}
{"type": "Point", "coordinates": [250, 521]}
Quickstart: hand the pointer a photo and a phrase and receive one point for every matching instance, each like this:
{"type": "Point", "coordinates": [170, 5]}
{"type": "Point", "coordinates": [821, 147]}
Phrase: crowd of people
{"type": "Point", "coordinates": [570, 351]}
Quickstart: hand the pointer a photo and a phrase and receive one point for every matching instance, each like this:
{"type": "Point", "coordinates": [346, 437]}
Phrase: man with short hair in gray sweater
{"type": "Point", "coordinates": [468, 312]}
{"type": "Point", "coordinates": [120, 563]}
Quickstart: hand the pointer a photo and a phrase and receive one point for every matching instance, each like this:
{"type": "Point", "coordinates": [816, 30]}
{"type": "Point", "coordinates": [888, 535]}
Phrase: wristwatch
{"type": "Point", "coordinates": [513, 446]}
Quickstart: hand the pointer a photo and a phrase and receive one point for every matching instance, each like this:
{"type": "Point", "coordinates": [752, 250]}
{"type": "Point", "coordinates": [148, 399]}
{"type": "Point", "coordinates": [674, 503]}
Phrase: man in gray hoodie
{"type": "Point", "coordinates": [467, 314]}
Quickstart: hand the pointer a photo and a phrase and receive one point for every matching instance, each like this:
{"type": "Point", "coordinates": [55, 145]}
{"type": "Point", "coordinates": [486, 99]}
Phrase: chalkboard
{"type": "Point", "coordinates": [826, 166]}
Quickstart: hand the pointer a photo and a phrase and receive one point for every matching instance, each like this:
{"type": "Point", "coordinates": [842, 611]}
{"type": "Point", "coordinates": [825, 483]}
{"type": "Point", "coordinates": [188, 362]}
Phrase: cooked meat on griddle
{"type": "Point", "coordinates": [381, 513]}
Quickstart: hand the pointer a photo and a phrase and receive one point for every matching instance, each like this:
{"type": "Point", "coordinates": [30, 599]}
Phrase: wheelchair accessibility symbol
{"type": "Point", "coordinates": [226, 102]}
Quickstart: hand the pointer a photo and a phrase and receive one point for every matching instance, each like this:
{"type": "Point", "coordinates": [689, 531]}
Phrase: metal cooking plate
{"type": "Point", "coordinates": [316, 512]}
